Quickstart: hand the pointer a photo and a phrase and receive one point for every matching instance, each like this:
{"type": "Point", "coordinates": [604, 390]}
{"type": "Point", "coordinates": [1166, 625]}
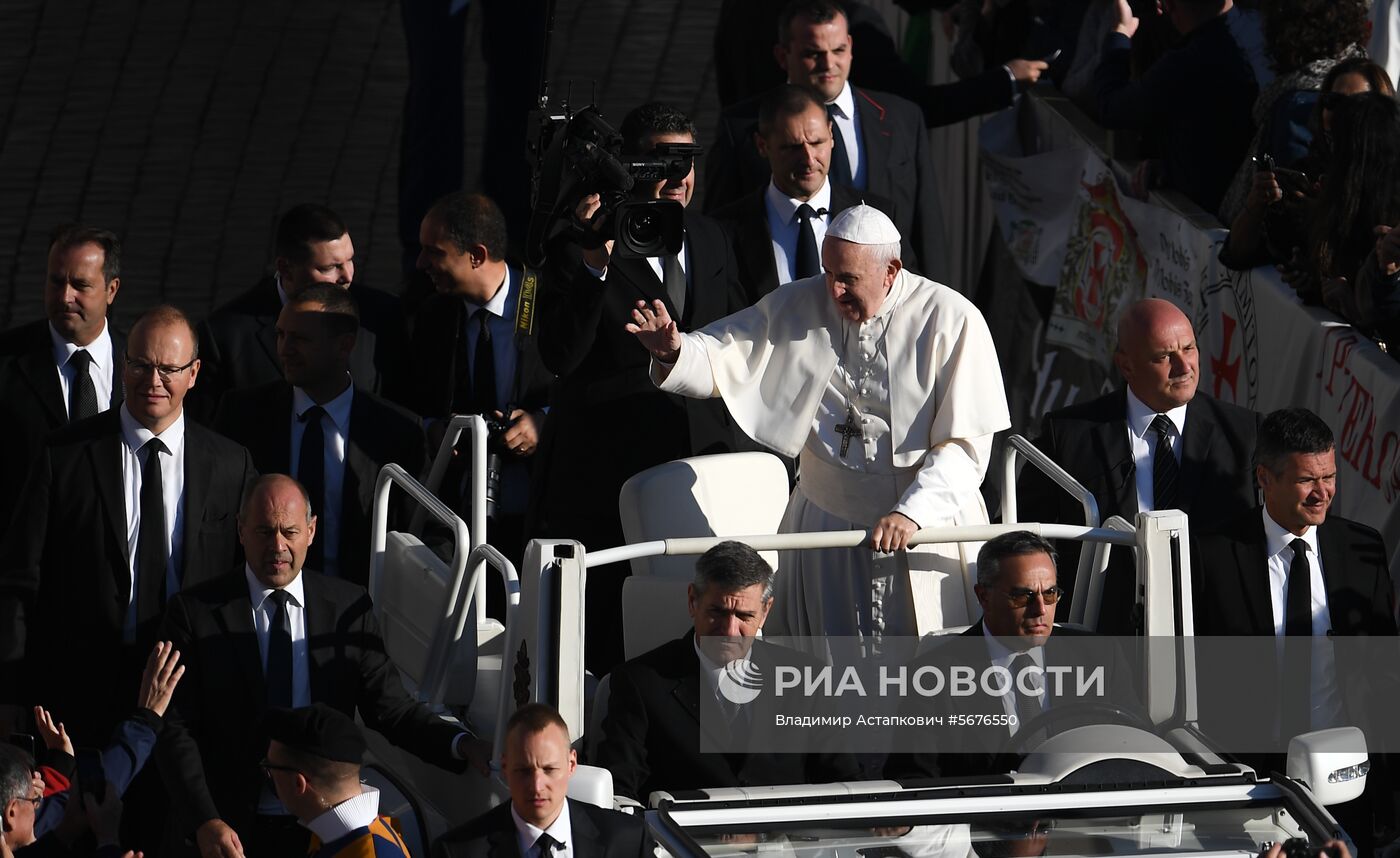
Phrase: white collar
{"type": "Point", "coordinates": [353, 813]}
{"type": "Point", "coordinates": [559, 829]}
{"type": "Point", "coordinates": [497, 305]}
{"type": "Point", "coordinates": [1140, 416]}
{"type": "Point", "coordinates": [337, 409]}
{"type": "Point", "coordinates": [281, 293]}
{"type": "Point", "coordinates": [1001, 656]}
{"type": "Point", "coordinates": [100, 348]}
{"type": "Point", "coordinates": [845, 101]}
{"type": "Point", "coordinates": [786, 206]}
{"type": "Point", "coordinates": [1277, 537]}
{"type": "Point", "coordinates": [258, 593]}
{"type": "Point", "coordinates": [135, 435]}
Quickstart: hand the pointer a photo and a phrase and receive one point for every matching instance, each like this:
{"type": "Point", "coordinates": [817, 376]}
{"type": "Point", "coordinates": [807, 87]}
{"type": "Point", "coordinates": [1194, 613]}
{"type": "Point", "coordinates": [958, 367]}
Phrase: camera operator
{"type": "Point", "coordinates": [474, 352]}
{"type": "Point", "coordinates": [609, 421]}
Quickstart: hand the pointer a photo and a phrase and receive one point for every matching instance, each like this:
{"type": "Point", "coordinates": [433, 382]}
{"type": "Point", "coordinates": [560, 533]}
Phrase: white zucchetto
{"type": "Point", "coordinates": [863, 224]}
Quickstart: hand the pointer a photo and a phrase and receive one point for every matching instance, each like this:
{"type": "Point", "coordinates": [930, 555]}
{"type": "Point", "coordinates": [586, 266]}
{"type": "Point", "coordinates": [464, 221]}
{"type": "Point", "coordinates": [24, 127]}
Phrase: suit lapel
{"type": "Point", "coordinates": [357, 484]}
{"type": "Point", "coordinates": [707, 298]}
{"type": "Point", "coordinates": [756, 244]}
{"type": "Point", "coordinates": [118, 361]}
{"type": "Point", "coordinates": [320, 628]}
{"type": "Point", "coordinates": [199, 464]}
{"type": "Point", "coordinates": [876, 138]}
{"type": "Point", "coordinates": [584, 834]}
{"type": "Point", "coordinates": [107, 454]}
{"type": "Point", "coordinates": [39, 371]}
{"type": "Point", "coordinates": [1253, 564]}
{"type": "Point", "coordinates": [236, 617]}
{"type": "Point", "coordinates": [1195, 451]}
{"type": "Point", "coordinates": [1110, 437]}
{"type": "Point", "coordinates": [362, 368]}
{"type": "Point", "coordinates": [1335, 566]}
{"type": "Point", "coordinates": [501, 839]}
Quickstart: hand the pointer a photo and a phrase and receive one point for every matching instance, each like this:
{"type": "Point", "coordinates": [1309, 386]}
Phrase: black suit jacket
{"type": "Point", "coordinates": [238, 345]}
{"type": "Point", "coordinates": [31, 401]}
{"type": "Point", "coordinates": [66, 579]}
{"type": "Point", "coordinates": [260, 419]}
{"type": "Point", "coordinates": [651, 734]}
{"type": "Point", "coordinates": [593, 833]}
{"type": "Point", "coordinates": [967, 750]}
{"type": "Point", "coordinates": [1090, 440]}
{"type": "Point", "coordinates": [212, 742]}
{"type": "Point", "coordinates": [608, 420]}
{"type": "Point", "coordinates": [899, 168]}
{"type": "Point", "coordinates": [748, 216]}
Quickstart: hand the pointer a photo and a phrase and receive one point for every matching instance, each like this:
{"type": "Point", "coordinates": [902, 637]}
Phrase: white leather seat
{"type": "Point", "coordinates": [593, 785]}
{"type": "Point", "coordinates": [418, 619]}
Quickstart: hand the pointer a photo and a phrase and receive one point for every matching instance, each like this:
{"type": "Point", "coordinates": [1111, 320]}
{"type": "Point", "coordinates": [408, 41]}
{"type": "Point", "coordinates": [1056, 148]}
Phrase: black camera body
{"type": "Point", "coordinates": [577, 154]}
{"type": "Point", "coordinates": [1299, 847]}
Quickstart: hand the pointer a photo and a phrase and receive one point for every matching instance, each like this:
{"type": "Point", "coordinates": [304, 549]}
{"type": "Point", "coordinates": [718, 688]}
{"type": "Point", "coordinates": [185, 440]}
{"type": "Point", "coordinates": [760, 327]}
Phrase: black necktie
{"type": "Point", "coordinates": [1297, 624]}
{"type": "Point", "coordinates": [545, 844]}
{"type": "Point", "coordinates": [840, 171]}
{"type": "Point", "coordinates": [809, 262]}
{"type": "Point", "coordinates": [82, 401]}
{"type": "Point", "coordinates": [279, 652]}
{"type": "Point", "coordinates": [673, 278]}
{"type": "Point", "coordinates": [1027, 705]}
{"type": "Point", "coordinates": [311, 471]}
{"type": "Point", "coordinates": [483, 367]}
{"type": "Point", "coordinates": [151, 546]}
{"type": "Point", "coordinates": [1164, 466]}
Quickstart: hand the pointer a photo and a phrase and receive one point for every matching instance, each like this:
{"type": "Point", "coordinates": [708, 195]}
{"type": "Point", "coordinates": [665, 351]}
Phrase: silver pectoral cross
{"type": "Point", "coordinates": [848, 430]}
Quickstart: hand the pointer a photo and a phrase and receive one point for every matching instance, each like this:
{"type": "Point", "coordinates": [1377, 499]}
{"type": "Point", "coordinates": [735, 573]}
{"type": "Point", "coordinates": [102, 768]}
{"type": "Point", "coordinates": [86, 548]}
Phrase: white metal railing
{"type": "Point", "coordinates": [477, 433]}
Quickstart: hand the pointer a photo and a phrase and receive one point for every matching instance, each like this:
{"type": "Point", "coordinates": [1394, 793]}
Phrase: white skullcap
{"type": "Point", "coordinates": [863, 224]}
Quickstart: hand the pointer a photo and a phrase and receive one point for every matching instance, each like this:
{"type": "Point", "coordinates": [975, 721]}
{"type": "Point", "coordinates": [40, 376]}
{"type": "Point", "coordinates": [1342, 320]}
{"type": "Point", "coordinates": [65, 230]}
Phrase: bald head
{"type": "Point", "coordinates": [1157, 354]}
{"type": "Point", "coordinates": [276, 526]}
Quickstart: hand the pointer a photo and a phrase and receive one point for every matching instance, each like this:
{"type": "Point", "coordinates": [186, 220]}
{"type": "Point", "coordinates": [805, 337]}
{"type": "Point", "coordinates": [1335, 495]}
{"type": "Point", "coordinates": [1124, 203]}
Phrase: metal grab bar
{"type": "Point", "coordinates": [1017, 445]}
{"type": "Point", "coordinates": [477, 431]}
{"type": "Point", "coordinates": [482, 556]}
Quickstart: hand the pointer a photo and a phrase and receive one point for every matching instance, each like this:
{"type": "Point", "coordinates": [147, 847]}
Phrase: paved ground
{"type": "Point", "coordinates": [188, 126]}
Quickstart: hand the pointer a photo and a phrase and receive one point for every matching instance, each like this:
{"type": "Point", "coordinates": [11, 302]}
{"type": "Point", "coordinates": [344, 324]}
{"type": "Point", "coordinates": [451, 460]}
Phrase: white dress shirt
{"type": "Point", "coordinates": [1143, 442]}
{"type": "Point", "coordinates": [1002, 657]}
{"type": "Point", "coordinates": [263, 610]}
{"type": "Point", "coordinates": [172, 479]}
{"type": "Point", "coordinates": [1278, 545]}
{"type": "Point", "coordinates": [100, 370]}
{"type": "Point", "coordinates": [353, 813]}
{"type": "Point", "coordinates": [654, 262]}
{"type": "Point", "coordinates": [847, 118]}
{"type": "Point", "coordinates": [526, 834]}
{"type": "Point", "coordinates": [335, 429]}
{"type": "Point", "coordinates": [785, 228]}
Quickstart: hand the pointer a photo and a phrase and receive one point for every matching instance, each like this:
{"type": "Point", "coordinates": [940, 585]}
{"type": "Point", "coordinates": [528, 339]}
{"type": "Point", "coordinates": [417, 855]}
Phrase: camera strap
{"type": "Point", "coordinates": [525, 306]}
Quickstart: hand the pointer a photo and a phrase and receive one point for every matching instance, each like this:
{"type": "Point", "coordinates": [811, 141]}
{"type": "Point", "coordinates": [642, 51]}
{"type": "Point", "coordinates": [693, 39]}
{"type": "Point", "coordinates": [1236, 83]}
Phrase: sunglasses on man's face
{"type": "Point", "coordinates": [1020, 597]}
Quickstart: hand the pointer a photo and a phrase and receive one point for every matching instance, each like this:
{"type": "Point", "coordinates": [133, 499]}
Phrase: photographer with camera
{"type": "Point", "coordinates": [608, 421]}
{"type": "Point", "coordinates": [474, 353]}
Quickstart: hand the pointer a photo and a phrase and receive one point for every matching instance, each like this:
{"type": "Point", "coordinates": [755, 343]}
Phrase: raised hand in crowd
{"type": "Point", "coordinates": [656, 331]}
{"type": "Point", "coordinates": [52, 733]}
{"type": "Point", "coordinates": [1127, 22]}
{"type": "Point", "coordinates": [160, 677]}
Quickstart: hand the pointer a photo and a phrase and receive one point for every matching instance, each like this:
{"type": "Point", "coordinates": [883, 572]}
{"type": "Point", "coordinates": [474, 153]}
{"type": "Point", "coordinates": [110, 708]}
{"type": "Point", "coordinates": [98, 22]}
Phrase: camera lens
{"type": "Point", "coordinates": [642, 229]}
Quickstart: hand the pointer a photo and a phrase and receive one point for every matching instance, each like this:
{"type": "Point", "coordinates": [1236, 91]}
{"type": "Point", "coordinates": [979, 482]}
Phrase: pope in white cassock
{"type": "Point", "coordinates": [887, 385]}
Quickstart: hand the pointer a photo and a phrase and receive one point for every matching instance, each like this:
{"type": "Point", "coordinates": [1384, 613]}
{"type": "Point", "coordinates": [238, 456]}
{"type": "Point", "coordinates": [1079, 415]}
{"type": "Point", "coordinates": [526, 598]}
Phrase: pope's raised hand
{"type": "Point", "coordinates": [656, 331]}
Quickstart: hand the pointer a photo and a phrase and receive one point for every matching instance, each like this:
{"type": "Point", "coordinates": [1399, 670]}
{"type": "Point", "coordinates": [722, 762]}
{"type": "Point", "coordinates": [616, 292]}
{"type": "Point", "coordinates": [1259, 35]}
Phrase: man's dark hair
{"type": "Point", "coordinates": [169, 314]}
{"type": "Point", "coordinates": [1288, 431]}
{"type": "Point", "coordinates": [783, 101]}
{"type": "Point", "coordinates": [815, 11]}
{"type": "Point", "coordinates": [649, 120]}
{"type": "Point", "coordinates": [472, 219]}
{"type": "Point", "coordinates": [321, 773]}
{"type": "Point", "coordinates": [303, 226]}
{"type": "Point", "coordinates": [733, 566]}
{"type": "Point", "coordinates": [341, 315]}
{"type": "Point", "coordinates": [1299, 32]}
{"type": "Point", "coordinates": [1017, 543]}
{"type": "Point", "coordinates": [70, 235]}
{"type": "Point", "coordinates": [16, 774]}
{"type": "Point", "coordinates": [535, 718]}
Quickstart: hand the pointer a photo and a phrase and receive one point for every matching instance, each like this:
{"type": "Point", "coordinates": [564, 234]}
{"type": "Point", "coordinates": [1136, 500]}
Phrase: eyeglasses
{"type": "Point", "coordinates": [269, 767]}
{"type": "Point", "coordinates": [1020, 597]}
{"type": "Point", "coordinates": [141, 368]}
{"type": "Point", "coordinates": [36, 800]}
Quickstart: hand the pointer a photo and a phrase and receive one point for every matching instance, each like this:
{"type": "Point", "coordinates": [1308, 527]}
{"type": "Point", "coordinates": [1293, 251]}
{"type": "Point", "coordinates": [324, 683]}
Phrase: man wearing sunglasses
{"type": "Point", "coordinates": [1019, 677]}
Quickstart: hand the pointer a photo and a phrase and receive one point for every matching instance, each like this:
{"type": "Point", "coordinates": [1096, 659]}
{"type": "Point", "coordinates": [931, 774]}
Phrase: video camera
{"type": "Point", "coordinates": [577, 154]}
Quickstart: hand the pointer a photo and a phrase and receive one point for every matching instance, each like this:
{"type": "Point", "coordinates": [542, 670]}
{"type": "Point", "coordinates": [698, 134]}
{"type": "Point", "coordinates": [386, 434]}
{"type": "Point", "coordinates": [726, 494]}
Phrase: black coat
{"type": "Point", "coordinates": [213, 741]}
{"type": "Point", "coordinates": [899, 169]}
{"type": "Point", "coordinates": [66, 579]}
{"type": "Point", "coordinates": [593, 833]}
{"type": "Point", "coordinates": [651, 734]}
{"type": "Point", "coordinates": [31, 401]}
{"type": "Point", "coordinates": [380, 432]}
{"type": "Point", "coordinates": [1090, 440]}
{"type": "Point", "coordinates": [238, 345]}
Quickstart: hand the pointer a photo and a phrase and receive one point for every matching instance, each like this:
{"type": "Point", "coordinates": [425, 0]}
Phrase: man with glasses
{"type": "Point", "coordinates": [119, 513]}
{"type": "Point", "coordinates": [1019, 675]}
{"type": "Point", "coordinates": [20, 795]}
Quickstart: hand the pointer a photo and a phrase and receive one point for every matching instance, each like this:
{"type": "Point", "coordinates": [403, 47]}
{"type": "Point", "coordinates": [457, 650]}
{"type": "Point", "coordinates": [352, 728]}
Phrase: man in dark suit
{"type": "Point", "coordinates": [779, 229]}
{"type": "Point", "coordinates": [275, 634]}
{"type": "Point", "coordinates": [476, 351]}
{"type": "Point", "coordinates": [61, 369]}
{"type": "Point", "coordinates": [120, 511]}
{"type": "Point", "coordinates": [323, 428]}
{"type": "Point", "coordinates": [656, 714]}
{"type": "Point", "coordinates": [880, 142]}
{"type": "Point", "coordinates": [240, 337]}
{"type": "Point", "coordinates": [1016, 586]}
{"type": "Point", "coordinates": [1291, 570]}
{"type": "Point", "coordinates": [1158, 443]}
{"type": "Point", "coordinates": [608, 421]}
{"type": "Point", "coordinates": [539, 818]}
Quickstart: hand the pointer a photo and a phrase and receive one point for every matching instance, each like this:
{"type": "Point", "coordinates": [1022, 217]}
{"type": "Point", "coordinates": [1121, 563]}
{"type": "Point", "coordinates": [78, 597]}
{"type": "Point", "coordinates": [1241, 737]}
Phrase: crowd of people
{"type": "Point", "coordinates": [188, 504]}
